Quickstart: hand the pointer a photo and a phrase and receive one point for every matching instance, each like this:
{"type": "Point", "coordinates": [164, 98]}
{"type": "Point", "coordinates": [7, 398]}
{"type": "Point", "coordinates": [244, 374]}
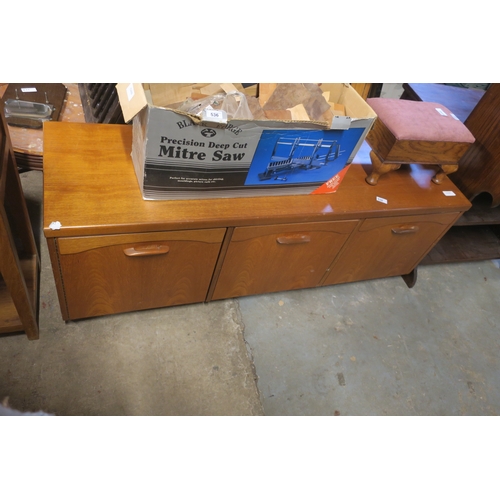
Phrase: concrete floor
{"type": "Point", "coordinates": [379, 348]}
{"type": "Point", "coordinates": [188, 360]}
{"type": "Point", "coordinates": [368, 348]}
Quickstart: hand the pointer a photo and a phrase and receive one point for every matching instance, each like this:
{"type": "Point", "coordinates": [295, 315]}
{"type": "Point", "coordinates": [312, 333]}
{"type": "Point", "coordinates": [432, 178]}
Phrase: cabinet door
{"type": "Point", "coordinates": [262, 259]}
{"type": "Point", "coordinates": [111, 274]}
{"type": "Point", "coordinates": [388, 247]}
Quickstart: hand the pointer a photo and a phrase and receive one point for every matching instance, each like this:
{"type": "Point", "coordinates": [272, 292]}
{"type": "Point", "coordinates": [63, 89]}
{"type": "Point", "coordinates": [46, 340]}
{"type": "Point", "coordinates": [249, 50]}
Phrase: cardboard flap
{"type": "Point", "coordinates": [132, 99]}
{"type": "Point", "coordinates": [355, 106]}
{"type": "Point", "coordinates": [165, 94]}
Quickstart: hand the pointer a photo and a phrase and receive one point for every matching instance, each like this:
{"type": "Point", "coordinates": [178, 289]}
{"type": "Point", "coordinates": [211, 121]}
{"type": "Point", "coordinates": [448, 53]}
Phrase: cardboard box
{"type": "Point", "coordinates": [178, 155]}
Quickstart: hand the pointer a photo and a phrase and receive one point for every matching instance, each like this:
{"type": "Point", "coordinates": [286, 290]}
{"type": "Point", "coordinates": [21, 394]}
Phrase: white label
{"type": "Point", "coordinates": [214, 115]}
{"type": "Point", "coordinates": [341, 122]}
{"type": "Point", "coordinates": [28, 89]}
{"type": "Point", "coordinates": [449, 193]}
{"type": "Point", "coordinates": [453, 116]}
{"type": "Point", "coordinates": [382, 200]}
{"type": "Point", "coordinates": [441, 112]}
{"type": "Point", "coordinates": [55, 225]}
{"type": "Point", "coordinates": [130, 91]}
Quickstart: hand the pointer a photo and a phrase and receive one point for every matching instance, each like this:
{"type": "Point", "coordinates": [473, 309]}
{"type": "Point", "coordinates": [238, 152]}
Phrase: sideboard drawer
{"type": "Point", "coordinates": [263, 259]}
{"type": "Point", "coordinates": [110, 274]}
{"type": "Point", "coordinates": [388, 246]}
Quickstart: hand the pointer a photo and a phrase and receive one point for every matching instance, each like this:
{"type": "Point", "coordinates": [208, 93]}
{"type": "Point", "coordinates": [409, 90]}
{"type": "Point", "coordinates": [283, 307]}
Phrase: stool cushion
{"type": "Point", "coordinates": [419, 121]}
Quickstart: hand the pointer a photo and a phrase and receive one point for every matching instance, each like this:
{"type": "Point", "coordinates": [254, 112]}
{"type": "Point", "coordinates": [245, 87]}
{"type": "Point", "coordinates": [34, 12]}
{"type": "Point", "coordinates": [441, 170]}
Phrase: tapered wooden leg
{"type": "Point", "coordinates": [379, 168]}
{"type": "Point", "coordinates": [443, 171]}
{"type": "Point", "coordinates": [410, 279]}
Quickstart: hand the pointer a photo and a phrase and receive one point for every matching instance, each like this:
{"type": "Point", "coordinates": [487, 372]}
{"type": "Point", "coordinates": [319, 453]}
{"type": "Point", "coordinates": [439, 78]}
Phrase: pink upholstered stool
{"type": "Point", "coordinates": [415, 132]}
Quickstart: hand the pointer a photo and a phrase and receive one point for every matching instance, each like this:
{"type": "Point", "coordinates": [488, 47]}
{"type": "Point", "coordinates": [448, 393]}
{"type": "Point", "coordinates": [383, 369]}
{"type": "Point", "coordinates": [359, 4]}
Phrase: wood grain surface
{"type": "Point", "coordinates": [90, 187]}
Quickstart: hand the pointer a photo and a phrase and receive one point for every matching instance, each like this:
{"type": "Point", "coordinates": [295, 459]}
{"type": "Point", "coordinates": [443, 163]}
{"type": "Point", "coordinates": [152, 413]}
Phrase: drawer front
{"type": "Point", "coordinates": [390, 246]}
{"type": "Point", "coordinates": [112, 274]}
{"type": "Point", "coordinates": [263, 259]}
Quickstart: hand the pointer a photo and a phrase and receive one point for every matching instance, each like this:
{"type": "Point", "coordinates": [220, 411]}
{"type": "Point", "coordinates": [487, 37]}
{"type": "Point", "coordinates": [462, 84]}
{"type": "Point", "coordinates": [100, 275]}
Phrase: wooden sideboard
{"type": "Point", "coordinates": [111, 251]}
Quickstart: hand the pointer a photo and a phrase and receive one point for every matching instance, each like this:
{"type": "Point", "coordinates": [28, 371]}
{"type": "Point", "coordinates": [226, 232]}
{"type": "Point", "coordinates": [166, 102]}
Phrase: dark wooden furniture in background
{"type": "Point", "coordinates": [476, 235]}
{"type": "Point", "coordinates": [28, 143]}
{"type": "Point", "coordinates": [43, 93]}
{"type": "Point", "coordinates": [366, 90]}
{"type": "Point", "coordinates": [460, 101]}
{"type": "Point", "coordinates": [100, 103]}
{"type": "Point", "coordinates": [479, 169]}
{"type": "Point", "coordinates": [19, 259]}
{"type": "Point", "coordinates": [113, 252]}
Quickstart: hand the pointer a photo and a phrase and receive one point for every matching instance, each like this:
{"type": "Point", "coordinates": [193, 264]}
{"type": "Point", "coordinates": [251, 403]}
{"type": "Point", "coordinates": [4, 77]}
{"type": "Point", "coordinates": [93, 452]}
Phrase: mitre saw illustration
{"type": "Point", "coordinates": [292, 153]}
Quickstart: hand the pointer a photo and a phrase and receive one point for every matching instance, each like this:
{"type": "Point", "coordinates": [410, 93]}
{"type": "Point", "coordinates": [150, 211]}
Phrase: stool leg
{"type": "Point", "coordinates": [379, 168]}
{"type": "Point", "coordinates": [443, 171]}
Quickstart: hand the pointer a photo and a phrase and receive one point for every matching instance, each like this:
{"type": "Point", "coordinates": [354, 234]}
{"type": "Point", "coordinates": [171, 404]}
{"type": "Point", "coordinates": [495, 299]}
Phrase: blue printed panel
{"type": "Point", "coordinates": [300, 156]}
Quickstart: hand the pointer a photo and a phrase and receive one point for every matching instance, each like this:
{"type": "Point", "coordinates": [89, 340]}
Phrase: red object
{"type": "Point", "coordinates": [332, 184]}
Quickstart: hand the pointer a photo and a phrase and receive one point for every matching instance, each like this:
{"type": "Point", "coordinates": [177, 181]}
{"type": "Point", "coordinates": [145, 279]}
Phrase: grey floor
{"type": "Point", "coordinates": [368, 348]}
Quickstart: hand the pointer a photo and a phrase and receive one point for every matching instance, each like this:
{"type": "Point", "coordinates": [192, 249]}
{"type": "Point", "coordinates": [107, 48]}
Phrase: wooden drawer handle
{"type": "Point", "coordinates": [293, 239]}
{"type": "Point", "coordinates": [405, 229]}
{"type": "Point", "coordinates": [144, 250]}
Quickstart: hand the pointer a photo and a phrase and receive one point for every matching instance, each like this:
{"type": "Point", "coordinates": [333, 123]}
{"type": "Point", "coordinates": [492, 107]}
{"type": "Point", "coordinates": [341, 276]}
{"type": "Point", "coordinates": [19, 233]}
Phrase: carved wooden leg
{"type": "Point", "coordinates": [379, 168]}
{"type": "Point", "coordinates": [443, 171]}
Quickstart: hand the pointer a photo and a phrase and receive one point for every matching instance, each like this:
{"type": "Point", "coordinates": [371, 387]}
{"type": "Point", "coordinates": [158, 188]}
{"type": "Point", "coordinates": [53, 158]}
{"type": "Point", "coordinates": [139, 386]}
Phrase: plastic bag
{"type": "Point", "coordinates": [234, 104]}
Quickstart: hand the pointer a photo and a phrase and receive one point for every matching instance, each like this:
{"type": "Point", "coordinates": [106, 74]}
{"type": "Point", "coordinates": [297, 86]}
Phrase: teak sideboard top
{"type": "Point", "coordinates": [90, 188]}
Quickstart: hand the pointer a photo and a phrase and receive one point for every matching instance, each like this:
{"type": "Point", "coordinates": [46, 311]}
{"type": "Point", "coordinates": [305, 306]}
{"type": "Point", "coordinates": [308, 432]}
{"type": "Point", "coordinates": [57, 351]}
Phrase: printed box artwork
{"type": "Point", "coordinates": [193, 157]}
{"type": "Point", "coordinates": [174, 157]}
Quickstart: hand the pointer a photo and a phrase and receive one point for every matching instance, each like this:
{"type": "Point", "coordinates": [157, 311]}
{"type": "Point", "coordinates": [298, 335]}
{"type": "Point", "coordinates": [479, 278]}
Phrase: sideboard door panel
{"type": "Point", "coordinates": [112, 274]}
{"type": "Point", "coordinates": [264, 259]}
{"type": "Point", "coordinates": [388, 246]}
